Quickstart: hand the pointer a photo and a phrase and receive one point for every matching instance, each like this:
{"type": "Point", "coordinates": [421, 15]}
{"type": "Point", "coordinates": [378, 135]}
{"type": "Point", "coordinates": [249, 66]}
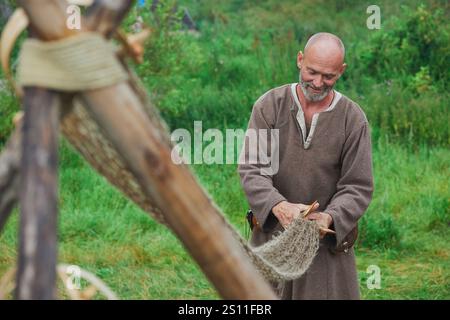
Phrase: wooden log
{"type": "Point", "coordinates": [190, 213]}
{"type": "Point", "coordinates": [36, 276]}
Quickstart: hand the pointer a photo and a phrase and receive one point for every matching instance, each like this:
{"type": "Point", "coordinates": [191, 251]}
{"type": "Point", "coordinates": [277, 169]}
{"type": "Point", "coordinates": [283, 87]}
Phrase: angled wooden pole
{"type": "Point", "coordinates": [36, 276]}
{"type": "Point", "coordinates": [189, 211]}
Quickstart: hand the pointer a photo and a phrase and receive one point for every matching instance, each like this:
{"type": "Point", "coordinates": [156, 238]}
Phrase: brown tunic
{"type": "Point", "coordinates": [332, 165]}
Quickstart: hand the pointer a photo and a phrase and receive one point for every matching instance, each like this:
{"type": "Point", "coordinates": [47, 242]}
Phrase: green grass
{"type": "Point", "coordinates": [405, 230]}
{"type": "Point", "coordinates": [104, 233]}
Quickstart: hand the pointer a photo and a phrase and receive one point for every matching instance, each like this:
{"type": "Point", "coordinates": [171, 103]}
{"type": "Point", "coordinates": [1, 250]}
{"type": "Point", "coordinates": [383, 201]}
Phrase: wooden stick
{"type": "Point", "coordinates": [189, 211]}
{"type": "Point", "coordinates": [328, 230]}
{"type": "Point", "coordinates": [310, 209]}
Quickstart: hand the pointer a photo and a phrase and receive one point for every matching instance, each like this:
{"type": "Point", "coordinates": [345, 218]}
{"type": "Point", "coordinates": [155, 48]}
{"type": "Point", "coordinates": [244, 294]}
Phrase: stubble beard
{"type": "Point", "coordinates": [313, 97]}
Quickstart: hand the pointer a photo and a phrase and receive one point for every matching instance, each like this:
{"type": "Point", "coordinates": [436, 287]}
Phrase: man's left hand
{"type": "Point", "coordinates": [324, 220]}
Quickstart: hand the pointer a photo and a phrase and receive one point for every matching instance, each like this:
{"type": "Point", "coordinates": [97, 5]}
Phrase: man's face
{"type": "Point", "coordinates": [318, 75]}
{"type": "Point", "coordinates": [311, 92]}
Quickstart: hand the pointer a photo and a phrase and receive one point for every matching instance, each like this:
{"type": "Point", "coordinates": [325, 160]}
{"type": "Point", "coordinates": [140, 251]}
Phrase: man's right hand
{"type": "Point", "coordinates": [286, 212]}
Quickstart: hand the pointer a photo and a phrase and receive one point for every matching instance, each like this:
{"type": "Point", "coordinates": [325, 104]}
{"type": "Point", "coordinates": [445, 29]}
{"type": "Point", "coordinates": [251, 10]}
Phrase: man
{"type": "Point", "coordinates": [325, 155]}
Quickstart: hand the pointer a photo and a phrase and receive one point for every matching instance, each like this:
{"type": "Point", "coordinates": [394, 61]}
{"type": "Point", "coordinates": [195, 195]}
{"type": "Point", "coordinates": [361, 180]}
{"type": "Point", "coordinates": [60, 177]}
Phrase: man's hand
{"type": "Point", "coordinates": [286, 212]}
{"type": "Point", "coordinates": [324, 220]}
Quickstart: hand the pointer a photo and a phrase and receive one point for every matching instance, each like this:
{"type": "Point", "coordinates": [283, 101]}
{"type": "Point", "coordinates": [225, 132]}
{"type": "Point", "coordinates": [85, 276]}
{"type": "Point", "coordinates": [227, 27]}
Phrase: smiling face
{"type": "Point", "coordinates": [320, 66]}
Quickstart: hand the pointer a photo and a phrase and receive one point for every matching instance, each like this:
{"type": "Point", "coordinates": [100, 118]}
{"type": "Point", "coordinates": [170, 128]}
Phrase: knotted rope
{"type": "Point", "coordinates": [81, 62]}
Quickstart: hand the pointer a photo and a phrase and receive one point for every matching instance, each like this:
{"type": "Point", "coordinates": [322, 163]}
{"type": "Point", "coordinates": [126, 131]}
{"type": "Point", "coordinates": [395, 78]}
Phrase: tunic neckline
{"type": "Point", "coordinates": [307, 139]}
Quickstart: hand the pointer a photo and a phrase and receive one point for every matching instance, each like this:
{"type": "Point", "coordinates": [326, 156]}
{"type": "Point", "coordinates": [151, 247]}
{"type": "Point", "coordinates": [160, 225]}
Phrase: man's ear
{"type": "Point", "coordinates": [344, 66]}
{"type": "Point", "coordinates": [299, 59]}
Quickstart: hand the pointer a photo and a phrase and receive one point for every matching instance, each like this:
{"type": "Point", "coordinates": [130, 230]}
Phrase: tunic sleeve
{"type": "Point", "coordinates": [258, 187]}
{"type": "Point", "coordinates": [355, 186]}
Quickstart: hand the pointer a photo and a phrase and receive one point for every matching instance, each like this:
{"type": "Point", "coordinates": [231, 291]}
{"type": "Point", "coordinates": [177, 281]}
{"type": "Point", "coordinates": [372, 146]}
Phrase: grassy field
{"type": "Point", "coordinates": [104, 233]}
{"type": "Point", "coordinates": [399, 76]}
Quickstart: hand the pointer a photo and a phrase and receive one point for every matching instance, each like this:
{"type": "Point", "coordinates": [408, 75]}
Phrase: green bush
{"type": "Point", "coordinates": [398, 114]}
{"type": "Point", "coordinates": [400, 77]}
{"type": "Point", "coordinates": [397, 74]}
{"type": "Point", "coordinates": [411, 47]}
{"type": "Point", "coordinates": [8, 107]}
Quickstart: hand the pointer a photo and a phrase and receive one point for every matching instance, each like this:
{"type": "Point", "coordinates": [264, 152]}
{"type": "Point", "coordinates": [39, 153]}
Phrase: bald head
{"type": "Point", "coordinates": [321, 65]}
{"type": "Point", "coordinates": [326, 44]}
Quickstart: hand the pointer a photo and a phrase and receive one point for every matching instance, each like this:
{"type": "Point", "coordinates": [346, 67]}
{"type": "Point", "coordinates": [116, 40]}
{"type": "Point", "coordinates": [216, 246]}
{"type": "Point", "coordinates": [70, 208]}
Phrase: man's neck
{"type": "Point", "coordinates": [314, 105]}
